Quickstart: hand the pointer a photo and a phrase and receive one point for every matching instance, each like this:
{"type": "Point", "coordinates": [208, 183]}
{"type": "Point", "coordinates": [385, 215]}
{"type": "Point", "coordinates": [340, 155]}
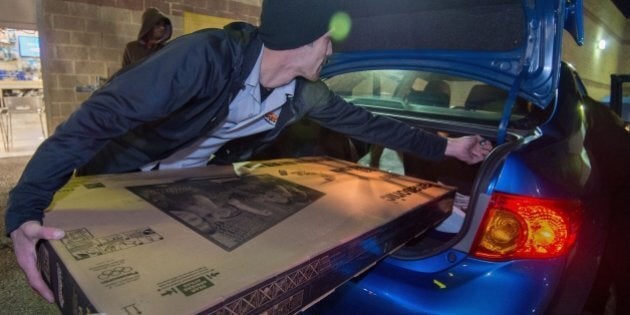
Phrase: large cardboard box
{"type": "Point", "coordinates": [272, 239]}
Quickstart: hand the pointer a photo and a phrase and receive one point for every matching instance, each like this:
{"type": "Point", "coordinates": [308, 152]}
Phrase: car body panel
{"type": "Point", "coordinates": [469, 286]}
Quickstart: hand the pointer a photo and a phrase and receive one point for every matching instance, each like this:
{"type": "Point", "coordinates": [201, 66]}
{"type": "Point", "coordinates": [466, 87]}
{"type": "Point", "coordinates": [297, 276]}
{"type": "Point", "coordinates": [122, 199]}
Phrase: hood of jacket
{"type": "Point", "coordinates": [150, 17]}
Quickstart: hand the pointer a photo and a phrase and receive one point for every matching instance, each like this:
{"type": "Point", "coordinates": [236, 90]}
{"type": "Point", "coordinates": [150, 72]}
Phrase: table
{"type": "Point", "coordinates": [4, 119]}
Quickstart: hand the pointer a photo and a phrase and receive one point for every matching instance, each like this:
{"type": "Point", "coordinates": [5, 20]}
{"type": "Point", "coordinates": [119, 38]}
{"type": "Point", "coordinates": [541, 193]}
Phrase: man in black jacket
{"type": "Point", "coordinates": [193, 99]}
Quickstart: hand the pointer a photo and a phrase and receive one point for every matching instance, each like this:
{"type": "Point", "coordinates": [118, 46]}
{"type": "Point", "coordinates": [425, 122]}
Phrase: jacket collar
{"type": "Point", "coordinates": [247, 35]}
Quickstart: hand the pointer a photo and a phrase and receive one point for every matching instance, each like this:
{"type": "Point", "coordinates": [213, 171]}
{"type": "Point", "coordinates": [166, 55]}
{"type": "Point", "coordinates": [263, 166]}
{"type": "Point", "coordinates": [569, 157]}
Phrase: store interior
{"type": "Point", "coordinates": [22, 117]}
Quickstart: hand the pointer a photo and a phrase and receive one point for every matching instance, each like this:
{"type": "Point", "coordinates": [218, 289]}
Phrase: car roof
{"type": "Point", "coordinates": [512, 44]}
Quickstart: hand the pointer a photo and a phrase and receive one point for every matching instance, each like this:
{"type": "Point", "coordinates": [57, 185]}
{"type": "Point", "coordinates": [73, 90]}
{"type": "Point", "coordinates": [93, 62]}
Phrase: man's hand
{"type": "Point", "coordinates": [24, 240]}
{"type": "Point", "coordinates": [470, 149]}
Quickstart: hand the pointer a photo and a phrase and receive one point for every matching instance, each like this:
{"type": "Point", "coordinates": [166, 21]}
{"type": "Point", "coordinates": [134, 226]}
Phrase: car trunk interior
{"type": "Point", "coordinates": [306, 138]}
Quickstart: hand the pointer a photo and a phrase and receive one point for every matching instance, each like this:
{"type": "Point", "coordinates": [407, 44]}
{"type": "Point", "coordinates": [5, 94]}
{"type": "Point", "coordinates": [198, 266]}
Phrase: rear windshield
{"type": "Point", "coordinates": [425, 94]}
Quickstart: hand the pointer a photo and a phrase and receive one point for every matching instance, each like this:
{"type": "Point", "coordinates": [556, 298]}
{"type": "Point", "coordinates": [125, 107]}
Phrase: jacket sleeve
{"type": "Point", "coordinates": [141, 93]}
{"type": "Point", "coordinates": [333, 112]}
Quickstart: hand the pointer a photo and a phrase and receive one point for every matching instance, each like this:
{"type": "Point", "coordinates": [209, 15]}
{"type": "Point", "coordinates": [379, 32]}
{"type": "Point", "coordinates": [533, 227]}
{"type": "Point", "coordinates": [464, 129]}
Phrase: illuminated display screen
{"type": "Point", "coordinates": [28, 46]}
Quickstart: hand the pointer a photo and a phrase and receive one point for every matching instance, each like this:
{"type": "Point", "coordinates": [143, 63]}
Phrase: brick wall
{"type": "Point", "coordinates": [83, 40]}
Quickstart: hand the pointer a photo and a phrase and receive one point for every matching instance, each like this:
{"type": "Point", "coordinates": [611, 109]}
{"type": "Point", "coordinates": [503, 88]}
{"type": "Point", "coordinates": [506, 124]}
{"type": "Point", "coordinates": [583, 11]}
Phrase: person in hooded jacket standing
{"type": "Point", "coordinates": [156, 29]}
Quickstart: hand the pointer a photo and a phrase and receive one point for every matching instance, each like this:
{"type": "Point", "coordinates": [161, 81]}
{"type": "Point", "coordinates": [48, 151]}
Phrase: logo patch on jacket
{"type": "Point", "coordinates": [271, 118]}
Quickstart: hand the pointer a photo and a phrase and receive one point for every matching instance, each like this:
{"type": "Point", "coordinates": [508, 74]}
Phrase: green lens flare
{"type": "Point", "coordinates": [340, 25]}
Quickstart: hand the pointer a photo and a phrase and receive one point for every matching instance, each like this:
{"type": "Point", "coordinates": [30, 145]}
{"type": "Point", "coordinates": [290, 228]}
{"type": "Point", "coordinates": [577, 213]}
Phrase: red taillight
{"type": "Point", "coordinates": [524, 227]}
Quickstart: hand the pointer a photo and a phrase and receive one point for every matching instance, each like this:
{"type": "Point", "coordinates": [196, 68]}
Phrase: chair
{"type": "Point", "coordinates": [4, 124]}
{"type": "Point", "coordinates": [435, 93]}
{"type": "Point", "coordinates": [428, 98]}
{"type": "Point", "coordinates": [486, 97]}
{"type": "Point", "coordinates": [16, 105]}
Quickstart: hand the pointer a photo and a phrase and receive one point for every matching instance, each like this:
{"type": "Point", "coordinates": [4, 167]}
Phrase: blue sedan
{"type": "Point", "coordinates": [526, 232]}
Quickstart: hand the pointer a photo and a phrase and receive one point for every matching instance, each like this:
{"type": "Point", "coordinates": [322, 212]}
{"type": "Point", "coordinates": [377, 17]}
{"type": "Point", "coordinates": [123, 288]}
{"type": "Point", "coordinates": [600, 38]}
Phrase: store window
{"type": "Point", "coordinates": [22, 118]}
{"type": "Point", "coordinates": [19, 55]}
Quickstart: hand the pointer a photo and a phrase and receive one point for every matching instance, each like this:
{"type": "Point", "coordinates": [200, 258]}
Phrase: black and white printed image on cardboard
{"type": "Point", "coordinates": [229, 212]}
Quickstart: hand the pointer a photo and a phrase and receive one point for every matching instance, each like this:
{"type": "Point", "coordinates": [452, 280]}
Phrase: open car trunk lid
{"type": "Point", "coordinates": [511, 44]}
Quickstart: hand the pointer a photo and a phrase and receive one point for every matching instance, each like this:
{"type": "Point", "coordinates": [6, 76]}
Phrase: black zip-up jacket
{"type": "Point", "coordinates": [153, 108]}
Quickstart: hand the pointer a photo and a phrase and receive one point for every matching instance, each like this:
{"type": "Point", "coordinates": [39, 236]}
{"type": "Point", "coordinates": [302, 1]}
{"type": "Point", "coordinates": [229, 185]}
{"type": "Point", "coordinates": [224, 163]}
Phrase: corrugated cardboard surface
{"type": "Point", "coordinates": [272, 239]}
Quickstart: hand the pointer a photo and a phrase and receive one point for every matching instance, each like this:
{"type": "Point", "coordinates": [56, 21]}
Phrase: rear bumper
{"type": "Point", "coordinates": [469, 286]}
